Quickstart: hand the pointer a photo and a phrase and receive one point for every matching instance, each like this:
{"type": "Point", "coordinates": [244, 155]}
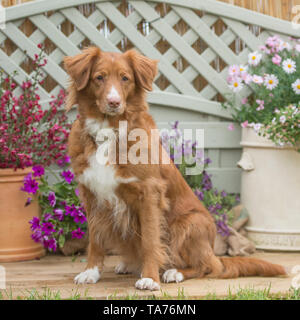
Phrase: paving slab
{"type": "Point", "coordinates": [57, 273]}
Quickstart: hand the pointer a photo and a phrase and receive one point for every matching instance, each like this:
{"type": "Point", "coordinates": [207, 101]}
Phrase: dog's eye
{"type": "Point", "coordinates": [100, 77]}
{"type": "Point", "coordinates": [125, 78]}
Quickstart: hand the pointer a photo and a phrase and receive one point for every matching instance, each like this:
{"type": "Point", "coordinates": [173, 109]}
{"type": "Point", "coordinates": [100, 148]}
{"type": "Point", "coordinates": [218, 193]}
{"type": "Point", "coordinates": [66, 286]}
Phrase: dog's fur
{"type": "Point", "coordinates": [145, 211]}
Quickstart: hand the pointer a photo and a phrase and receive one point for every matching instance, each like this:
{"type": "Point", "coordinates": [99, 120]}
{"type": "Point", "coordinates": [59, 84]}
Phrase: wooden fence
{"type": "Point", "coordinates": [281, 9]}
{"type": "Point", "coordinates": [194, 41]}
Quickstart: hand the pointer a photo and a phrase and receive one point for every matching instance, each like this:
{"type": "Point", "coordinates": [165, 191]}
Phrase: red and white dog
{"type": "Point", "coordinates": [145, 211]}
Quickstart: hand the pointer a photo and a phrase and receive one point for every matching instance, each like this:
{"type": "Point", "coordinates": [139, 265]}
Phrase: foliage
{"type": "Point", "coordinates": [30, 135]}
{"type": "Point", "coordinates": [273, 73]}
{"type": "Point", "coordinates": [63, 215]}
{"type": "Point", "coordinates": [185, 154]}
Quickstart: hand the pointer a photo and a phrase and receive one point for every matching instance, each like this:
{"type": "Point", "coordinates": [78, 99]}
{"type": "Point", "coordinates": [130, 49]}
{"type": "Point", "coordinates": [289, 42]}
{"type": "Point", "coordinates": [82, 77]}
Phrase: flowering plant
{"type": "Point", "coordinates": [30, 135]}
{"type": "Point", "coordinates": [219, 203]}
{"type": "Point", "coordinates": [273, 73]}
{"type": "Point", "coordinates": [284, 128]}
{"type": "Point", "coordinates": [63, 216]}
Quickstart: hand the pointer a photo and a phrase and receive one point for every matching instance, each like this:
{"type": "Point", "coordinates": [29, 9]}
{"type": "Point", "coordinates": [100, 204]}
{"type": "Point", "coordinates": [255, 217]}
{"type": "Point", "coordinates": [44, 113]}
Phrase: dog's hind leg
{"type": "Point", "coordinates": [192, 240]}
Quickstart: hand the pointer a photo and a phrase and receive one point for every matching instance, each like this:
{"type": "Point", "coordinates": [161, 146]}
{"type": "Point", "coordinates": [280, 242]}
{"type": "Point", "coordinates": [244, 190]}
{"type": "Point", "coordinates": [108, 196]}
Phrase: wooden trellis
{"type": "Point", "coordinates": [194, 41]}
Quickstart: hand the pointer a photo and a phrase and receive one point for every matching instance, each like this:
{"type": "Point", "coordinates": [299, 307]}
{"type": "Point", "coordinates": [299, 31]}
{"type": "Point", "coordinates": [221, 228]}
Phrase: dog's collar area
{"type": "Point", "coordinates": [100, 131]}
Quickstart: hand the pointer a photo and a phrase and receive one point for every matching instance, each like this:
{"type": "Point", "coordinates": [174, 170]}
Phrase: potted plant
{"type": "Point", "coordinates": [63, 224]}
{"type": "Point", "coordinates": [270, 119]}
{"type": "Point", "coordinates": [29, 136]}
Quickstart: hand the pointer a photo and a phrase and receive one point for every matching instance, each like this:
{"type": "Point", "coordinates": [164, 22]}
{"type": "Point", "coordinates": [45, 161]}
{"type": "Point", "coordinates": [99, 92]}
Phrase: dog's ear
{"type": "Point", "coordinates": [79, 67]}
{"type": "Point", "coordinates": [145, 69]}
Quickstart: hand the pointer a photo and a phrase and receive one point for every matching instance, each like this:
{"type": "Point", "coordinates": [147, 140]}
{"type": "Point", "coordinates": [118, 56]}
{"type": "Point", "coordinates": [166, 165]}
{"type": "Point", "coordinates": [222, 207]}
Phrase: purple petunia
{"type": "Point", "coordinates": [35, 223]}
{"type": "Point", "coordinates": [58, 214]}
{"type": "Point", "coordinates": [47, 228]}
{"type": "Point", "coordinates": [79, 217]}
{"type": "Point", "coordinates": [63, 161]}
{"type": "Point", "coordinates": [68, 175]}
{"type": "Point", "coordinates": [47, 216]}
{"type": "Point", "coordinates": [52, 198]}
{"type": "Point", "coordinates": [38, 171]}
{"type": "Point", "coordinates": [30, 184]}
{"type": "Point", "coordinates": [37, 235]}
{"type": "Point", "coordinates": [78, 233]}
{"type": "Point", "coordinates": [76, 213]}
{"type": "Point", "coordinates": [50, 244]}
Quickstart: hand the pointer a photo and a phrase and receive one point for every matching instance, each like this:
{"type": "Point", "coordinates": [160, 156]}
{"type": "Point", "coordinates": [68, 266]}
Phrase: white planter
{"type": "Point", "coordinates": [270, 190]}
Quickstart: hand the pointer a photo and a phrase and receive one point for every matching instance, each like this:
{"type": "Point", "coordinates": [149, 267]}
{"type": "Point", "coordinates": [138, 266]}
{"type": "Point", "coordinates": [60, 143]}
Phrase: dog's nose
{"type": "Point", "coordinates": [114, 102]}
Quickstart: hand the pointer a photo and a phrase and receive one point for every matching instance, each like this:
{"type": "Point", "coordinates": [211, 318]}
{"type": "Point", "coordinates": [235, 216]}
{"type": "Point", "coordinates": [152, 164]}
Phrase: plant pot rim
{"type": "Point", "coordinates": [13, 172]}
{"type": "Point", "coordinates": [252, 140]}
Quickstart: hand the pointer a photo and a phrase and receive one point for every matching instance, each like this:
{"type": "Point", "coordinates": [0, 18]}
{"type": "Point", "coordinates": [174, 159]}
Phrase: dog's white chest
{"type": "Point", "coordinates": [100, 176]}
{"type": "Point", "coordinates": [100, 179]}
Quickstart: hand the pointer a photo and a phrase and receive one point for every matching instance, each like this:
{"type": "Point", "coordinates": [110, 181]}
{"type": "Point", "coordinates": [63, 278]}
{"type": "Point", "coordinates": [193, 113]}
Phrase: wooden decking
{"type": "Point", "coordinates": [57, 272]}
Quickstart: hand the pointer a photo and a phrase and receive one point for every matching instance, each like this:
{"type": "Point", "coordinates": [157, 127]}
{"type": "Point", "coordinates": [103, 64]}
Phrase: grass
{"type": "Point", "coordinates": [44, 294]}
{"type": "Point", "coordinates": [240, 294]}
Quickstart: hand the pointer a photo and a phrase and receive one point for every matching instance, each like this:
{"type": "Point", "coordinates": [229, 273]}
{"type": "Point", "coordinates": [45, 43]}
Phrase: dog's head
{"type": "Point", "coordinates": [110, 79]}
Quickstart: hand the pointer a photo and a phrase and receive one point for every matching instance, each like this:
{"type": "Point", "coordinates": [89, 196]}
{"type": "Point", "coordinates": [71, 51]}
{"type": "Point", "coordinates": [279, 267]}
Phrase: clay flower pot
{"type": "Point", "coordinates": [15, 234]}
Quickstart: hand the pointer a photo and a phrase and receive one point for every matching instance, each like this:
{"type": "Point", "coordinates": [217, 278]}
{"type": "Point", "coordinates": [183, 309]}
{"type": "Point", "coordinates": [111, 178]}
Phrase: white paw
{"type": "Point", "coordinates": [147, 284]}
{"type": "Point", "coordinates": [121, 268]}
{"type": "Point", "coordinates": [172, 275]}
{"type": "Point", "coordinates": [88, 276]}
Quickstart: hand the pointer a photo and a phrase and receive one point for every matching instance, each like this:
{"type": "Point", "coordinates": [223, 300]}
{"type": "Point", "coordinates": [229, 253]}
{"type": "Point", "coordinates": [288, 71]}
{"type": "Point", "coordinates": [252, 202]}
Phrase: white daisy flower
{"type": "Point", "coordinates": [236, 85]}
{"type": "Point", "coordinates": [257, 127]}
{"type": "Point", "coordinates": [243, 69]}
{"type": "Point", "coordinates": [284, 45]}
{"type": "Point", "coordinates": [282, 119]}
{"type": "Point", "coordinates": [234, 70]}
{"type": "Point", "coordinates": [257, 79]}
{"type": "Point", "coordinates": [296, 86]}
{"type": "Point", "coordinates": [289, 66]}
{"type": "Point", "coordinates": [271, 81]}
{"type": "Point", "coordinates": [254, 58]}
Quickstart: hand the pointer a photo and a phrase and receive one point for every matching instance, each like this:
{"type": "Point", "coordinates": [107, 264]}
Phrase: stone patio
{"type": "Point", "coordinates": [57, 272]}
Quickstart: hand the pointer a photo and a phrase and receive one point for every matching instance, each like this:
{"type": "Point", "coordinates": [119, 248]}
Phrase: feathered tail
{"type": "Point", "coordinates": [242, 267]}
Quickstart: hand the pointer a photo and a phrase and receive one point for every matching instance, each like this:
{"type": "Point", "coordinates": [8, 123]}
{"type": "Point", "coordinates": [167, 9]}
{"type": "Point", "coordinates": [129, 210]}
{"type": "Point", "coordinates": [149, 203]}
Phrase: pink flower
{"type": "Point", "coordinates": [231, 127]}
{"type": "Point", "coordinates": [261, 105]}
{"type": "Point", "coordinates": [276, 59]}
{"type": "Point", "coordinates": [234, 70]}
{"type": "Point", "coordinates": [245, 124]}
{"type": "Point", "coordinates": [244, 100]}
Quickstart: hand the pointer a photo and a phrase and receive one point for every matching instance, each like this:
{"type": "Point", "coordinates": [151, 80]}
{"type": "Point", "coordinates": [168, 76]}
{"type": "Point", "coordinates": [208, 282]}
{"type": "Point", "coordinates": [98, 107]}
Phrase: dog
{"type": "Point", "coordinates": [147, 212]}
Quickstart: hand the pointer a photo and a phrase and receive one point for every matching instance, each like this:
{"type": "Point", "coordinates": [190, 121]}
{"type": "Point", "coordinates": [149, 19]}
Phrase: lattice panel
{"type": "Point", "coordinates": [194, 47]}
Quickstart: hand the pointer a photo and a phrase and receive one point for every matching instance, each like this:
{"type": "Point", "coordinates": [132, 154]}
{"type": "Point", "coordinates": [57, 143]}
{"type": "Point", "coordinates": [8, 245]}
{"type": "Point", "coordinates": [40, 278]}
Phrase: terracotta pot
{"type": "Point", "coordinates": [15, 241]}
{"type": "Point", "coordinates": [270, 191]}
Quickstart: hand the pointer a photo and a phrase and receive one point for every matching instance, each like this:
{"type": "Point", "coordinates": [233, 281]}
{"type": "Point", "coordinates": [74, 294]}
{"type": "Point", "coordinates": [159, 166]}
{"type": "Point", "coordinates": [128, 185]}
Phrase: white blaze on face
{"type": "Point", "coordinates": [113, 94]}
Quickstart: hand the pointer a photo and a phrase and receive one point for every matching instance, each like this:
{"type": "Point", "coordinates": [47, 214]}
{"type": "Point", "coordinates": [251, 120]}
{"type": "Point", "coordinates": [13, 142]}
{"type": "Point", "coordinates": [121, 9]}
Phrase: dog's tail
{"type": "Point", "coordinates": [234, 267]}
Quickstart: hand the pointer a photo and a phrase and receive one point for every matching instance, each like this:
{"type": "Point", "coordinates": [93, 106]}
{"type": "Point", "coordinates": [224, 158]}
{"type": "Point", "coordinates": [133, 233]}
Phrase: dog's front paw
{"type": "Point", "coordinates": [172, 275]}
{"type": "Point", "coordinates": [88, 276]}
{"type": "Point", "coordinates": [147, 284]}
